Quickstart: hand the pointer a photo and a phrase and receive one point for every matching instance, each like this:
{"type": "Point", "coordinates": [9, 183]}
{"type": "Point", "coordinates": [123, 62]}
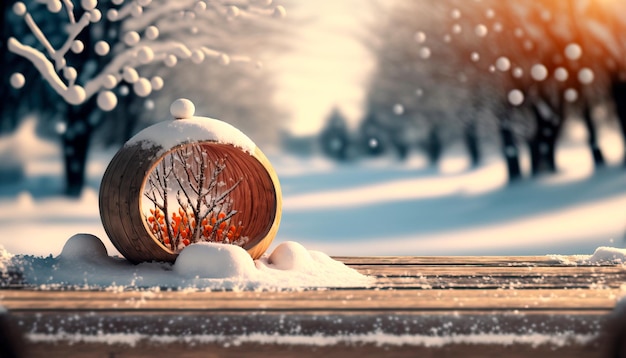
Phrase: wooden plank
{"type": "Point", "coordinates": [455, 260]}
{"type": "Point", "coordinates": [341, 349]}
{"type": "Point", "coordinates": [469, 283]}
{"type": "Point", "coordinates": [523, 271]}
{"type": "Point", "coordinates": [333, 300]}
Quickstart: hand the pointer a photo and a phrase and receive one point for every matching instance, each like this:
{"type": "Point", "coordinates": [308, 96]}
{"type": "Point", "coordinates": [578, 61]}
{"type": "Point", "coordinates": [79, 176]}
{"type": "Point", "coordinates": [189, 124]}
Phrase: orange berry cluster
{"type": "Point", "coordinates": [184, 225]}
{"type": "Point", "coordinates": [219, 228]}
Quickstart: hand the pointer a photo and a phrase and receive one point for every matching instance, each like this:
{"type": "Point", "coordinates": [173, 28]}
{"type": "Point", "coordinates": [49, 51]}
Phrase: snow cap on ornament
{"type": "Point", "coordinates": [189, 180]}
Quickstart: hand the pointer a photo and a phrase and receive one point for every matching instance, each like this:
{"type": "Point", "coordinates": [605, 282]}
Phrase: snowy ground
{"type": "Point", "coordinates": [370, 207]}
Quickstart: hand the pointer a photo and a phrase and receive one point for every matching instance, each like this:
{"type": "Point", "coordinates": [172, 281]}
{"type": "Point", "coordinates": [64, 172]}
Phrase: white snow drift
{"type": "Point", "coordinates": [84, 263]}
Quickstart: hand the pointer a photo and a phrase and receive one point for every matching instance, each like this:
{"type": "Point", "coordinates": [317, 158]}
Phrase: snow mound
{"type": "Point", "coordinates": [292, 265]}
{"type": "Point", "coordinates": [291, 256]}
{"type": "Point", "coordinates": [212, 260]}
{"type": "Point", "coordinates": [605, 254]}
{"type": "Point", "coordinates": [84, 264]}
{"type": "Point", "coordinates": [84, 247]}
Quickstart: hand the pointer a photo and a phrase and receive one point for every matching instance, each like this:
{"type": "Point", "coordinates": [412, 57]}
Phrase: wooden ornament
{"type": "Point", "coordinates": [189, 180]}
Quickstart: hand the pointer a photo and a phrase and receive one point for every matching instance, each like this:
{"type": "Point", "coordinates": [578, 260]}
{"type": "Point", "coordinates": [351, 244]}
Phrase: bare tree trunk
{"type": "Point", "coordinates": [471, 143]}
{"type": "Point", "coordinates": [542, 145]}
{"type": "Point", "coordinates": [75, 143]}
{"type": "Point", "coordinates": [596, 152]}
{"type": "Point", "coordinates": [433, 146]}
{"type": "Point", "coordinates": [618, 90]}
{"type": "Point", "coordinates": [511, 153]}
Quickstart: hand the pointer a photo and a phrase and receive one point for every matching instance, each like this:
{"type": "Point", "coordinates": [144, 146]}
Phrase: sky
{"type": "Point", "coordinates": [328, 66]}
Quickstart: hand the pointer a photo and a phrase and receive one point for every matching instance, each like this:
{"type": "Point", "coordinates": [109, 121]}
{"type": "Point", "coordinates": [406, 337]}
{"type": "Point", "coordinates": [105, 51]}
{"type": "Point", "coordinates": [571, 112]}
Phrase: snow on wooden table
{"type": "Point", "coordinates": [427, 306]}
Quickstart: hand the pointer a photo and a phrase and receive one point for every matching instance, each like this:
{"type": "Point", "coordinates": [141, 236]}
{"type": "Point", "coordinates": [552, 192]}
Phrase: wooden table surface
{"type": "Point", "coordinates": [426, 306]}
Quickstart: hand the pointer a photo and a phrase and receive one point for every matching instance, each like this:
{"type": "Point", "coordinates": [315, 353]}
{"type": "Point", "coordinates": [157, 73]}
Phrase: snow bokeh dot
{"type": "Point", "coordinates": [425, 52]}
{"type": "Point", "coordinates": [539, 72]}
{"type": "Point", "coordinates": [19, 8]}
{"type": "Point", "coordinates": [84, 247]}
{"type": "Point", "coordinates": [561, 74]}
{"type": "Point", "coordinates": [170, 60]}
{"type": "Point", "coordinates": [96, 15]}
{"type": "Point", "coordinates": [197, 57]}
{"type": "Point", "coordinates": [585, 76]}
{"type": "Point", "coordinates": [182, 108]}
{"type": "Point", "coordinates": [131, 38]}
{"type": "Point", "coordinates": [102, 48]}
{"type": "Point", "coordinates": [152, 32]}
{"type": "Point", "coordinates": [54, 6]}
{"type": "Point", "coordinates": [516, 97]}
{"type": "Point", "coordinates": [481, 30]}
{"type": "Point", "coordinates": [149, 104]}
{"type": "Point", "coordinates": [109, 81]}
{"type": "Point", "coordinates": [212, 260]}
{"type": "Point", "coordinates": [475, 56]}
{"type": "Point", "coordinates": [503, 64]}
{"type": "Point", "coordinates": [420, 37]}
{"type": "Point", "coordinates": [130, 75]}
{"type": "Point", "coordinates": [88, 4]}
{"type": "Point", "coordinates": [570, 95]}
{"type": "Point", "coordinates": [106, 100]}
{"type": "Point", "coordinates": [17, 80]}
{"type": "Point", "coordinates": [200, 6]}
{"type": "Point", "coordinates": [142, 87]}
{"type": "Point", "coordinates": [70, 73]}
{"type": "Point", "coordinates": [573, 51]}
{"type": "Point", "coordinates": [112, 14]}
{"type": "Point", "coordinates": [157, 83]}
{"type": "Point", "coordinates": [518, 72]}
{"type": "Point", "coordinates": [77, 46]}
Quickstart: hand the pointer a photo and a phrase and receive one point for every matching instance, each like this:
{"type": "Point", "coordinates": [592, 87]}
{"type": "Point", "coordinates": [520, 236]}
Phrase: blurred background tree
{"type": "Point", "coordinates": [94, 63]}
{"type": "Point", "coordinates": [468, 71]}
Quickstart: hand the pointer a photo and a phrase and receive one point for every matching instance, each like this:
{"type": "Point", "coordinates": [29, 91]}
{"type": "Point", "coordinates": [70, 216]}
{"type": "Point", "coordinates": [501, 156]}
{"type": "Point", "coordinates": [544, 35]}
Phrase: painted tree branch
{"type": "Point", "coordinates": [202, 208]}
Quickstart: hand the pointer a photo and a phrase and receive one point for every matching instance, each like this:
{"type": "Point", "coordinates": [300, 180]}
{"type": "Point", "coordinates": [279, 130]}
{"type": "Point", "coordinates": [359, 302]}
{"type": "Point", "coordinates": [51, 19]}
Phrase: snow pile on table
{"type": "Point", "coordinates": [602, 255]}
{"type": "Point", "coordinates": [84, 263]}
{"type": "Point", "coordinates": [607, 255]}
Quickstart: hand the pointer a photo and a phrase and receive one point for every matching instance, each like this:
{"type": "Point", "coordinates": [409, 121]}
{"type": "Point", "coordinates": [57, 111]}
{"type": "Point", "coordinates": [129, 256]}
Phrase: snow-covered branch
{"type": "Point", "coordinates": [203, 207]}
{"type": "Point", "coordinates": [149, 31]}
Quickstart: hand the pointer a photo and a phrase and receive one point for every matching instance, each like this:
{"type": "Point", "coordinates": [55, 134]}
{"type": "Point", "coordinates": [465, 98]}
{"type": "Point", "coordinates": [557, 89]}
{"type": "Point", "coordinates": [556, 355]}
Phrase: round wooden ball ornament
{"type": "Point", "coordinates": [189, 180]}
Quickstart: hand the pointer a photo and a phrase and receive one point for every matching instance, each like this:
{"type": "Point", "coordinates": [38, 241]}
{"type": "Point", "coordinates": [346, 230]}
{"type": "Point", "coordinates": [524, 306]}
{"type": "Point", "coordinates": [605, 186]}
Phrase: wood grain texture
{"type": "Point", "coordinates": [415, 300]}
